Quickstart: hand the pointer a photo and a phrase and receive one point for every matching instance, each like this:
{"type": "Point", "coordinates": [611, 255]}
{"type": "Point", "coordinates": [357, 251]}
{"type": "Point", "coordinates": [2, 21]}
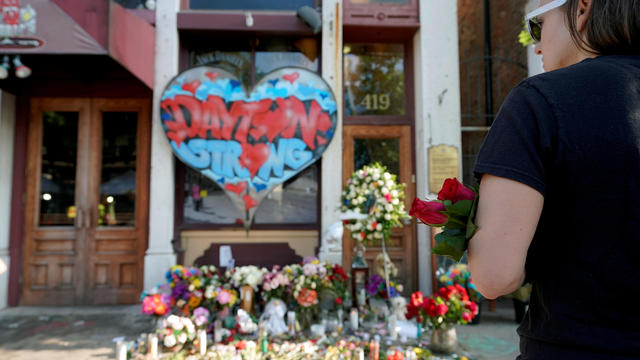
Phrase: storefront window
{"type": "Point", "coordinates": [249, 4]}
{"type": "Point", "coordinates": [395, 2]}
{"type": "Point", "coordinates": [374, 79]}
{"type": "Point", "coordinates": [296, 200]}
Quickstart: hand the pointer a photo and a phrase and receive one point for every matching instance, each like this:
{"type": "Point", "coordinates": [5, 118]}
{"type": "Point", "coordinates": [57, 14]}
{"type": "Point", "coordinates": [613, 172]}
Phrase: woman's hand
{"type": "Point", "coordinates": [507, 217]}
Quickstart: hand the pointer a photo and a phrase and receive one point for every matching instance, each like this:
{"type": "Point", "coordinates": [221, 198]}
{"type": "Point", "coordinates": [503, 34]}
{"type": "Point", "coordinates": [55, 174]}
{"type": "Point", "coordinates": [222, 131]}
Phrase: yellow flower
{"type": "Point", "coordinates": [194, 302]}
{"type": "Point", "coordinates": [196, 282]}
{"type": "Point", "coordinates": [316, 262]}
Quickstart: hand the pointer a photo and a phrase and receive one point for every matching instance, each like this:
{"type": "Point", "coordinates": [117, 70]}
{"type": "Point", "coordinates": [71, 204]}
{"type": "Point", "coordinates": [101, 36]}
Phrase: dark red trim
{"type": "Point", "coordinates": [378, 119]}
{"type": "Point", "coordinates": [16, 231]}
{"type": "Point", "coordinates": [282, 22]}
{"type": "Point", "coordinates": [91, 15]}
{"type": "Point", "coordinates": [377, 14]}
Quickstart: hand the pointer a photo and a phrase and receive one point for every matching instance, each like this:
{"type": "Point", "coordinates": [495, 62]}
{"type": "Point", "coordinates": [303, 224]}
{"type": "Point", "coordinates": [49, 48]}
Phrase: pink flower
{"type": "Point", "coordinates": [466, 316]}
{"type": "Point", "coordinates": [223, 297]}
{"type": "Point", "coordinates": [388, 197]}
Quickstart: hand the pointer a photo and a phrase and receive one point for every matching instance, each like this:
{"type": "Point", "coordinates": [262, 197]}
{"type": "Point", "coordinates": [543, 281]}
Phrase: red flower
{"type": "Point", "coordinates": [466, 316]}
{"type": "Point", "coordinates": [307, 297]}
{"type": "Point", "coordinates": [388, 197]}
{"type": "Point", "coordinates": [416, 299]}
{"type": "Point", "coordinates": [429, 212]}
{"type": "Point", "coordinates": [464, 296]}
{"type": "Point", "coordinates": [346, 222]}
{"type": "Point", "coordinates": [241, 345]}
{"type": "Point", "coordinates": [471, 306]}
{"type": "Point", "coordinates": [455, 191]}
{"type": "Point", "coordinates": [441, 309]}
{"type": "Point", "coordinates": [338, 301]}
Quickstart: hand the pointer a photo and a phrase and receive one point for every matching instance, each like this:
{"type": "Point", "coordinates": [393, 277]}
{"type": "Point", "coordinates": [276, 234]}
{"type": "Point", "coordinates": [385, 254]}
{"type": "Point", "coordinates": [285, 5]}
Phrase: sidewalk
{"type": "Point", "coordinates": [65, 333]}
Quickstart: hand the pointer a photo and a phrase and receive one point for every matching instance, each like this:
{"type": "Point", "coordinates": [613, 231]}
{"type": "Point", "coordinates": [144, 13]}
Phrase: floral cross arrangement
{"type": "Point", "coordinates": [449, 307]}
{"type": "Point", "coordinates": [373, 191]}
{"type": "Point", "coordinates": [455, 212]}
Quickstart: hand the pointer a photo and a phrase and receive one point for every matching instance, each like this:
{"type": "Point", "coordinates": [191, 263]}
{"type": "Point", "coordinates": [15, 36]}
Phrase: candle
{"type": "Point", "coordinates": [353, 319]}
{"type": "Point", "coordinates": [362, 297]}
{"type": "Point", "coordinates": [121, 351]}
{"type": "Point", "coordinates": [291, 322]}
{"type": "Point", "coordinates": [360, 354]}
{"type": "Point", "coordinates": [217, 331]}
{"type": "Point", "coordinates": [153, 346]}
{"type": "Point", "coordinates": [393, 325]}
{"type": "Point", "coordinates": [202, 338]}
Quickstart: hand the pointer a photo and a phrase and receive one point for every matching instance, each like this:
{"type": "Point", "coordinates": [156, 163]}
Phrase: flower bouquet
{"type": "Point", "coordinates": [276, 285]}
{"type": "Point", "coordinates": [249, 275]}
{"type": "Point", "coordinates": [449, 307]}
{"type": "Point", "coordinates": [376, 288]}
{"type": "Point", "coordinates": [373, 192]}
{"type": "Point", "coordinates": [177, 333]}
{"type": "Point", "coordinates": [156, 304]}
{"type": "Point", "coordinates": [455, 212]}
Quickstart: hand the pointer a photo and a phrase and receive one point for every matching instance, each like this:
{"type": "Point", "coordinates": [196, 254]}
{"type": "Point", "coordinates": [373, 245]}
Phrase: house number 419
{"type": "Point", "coordinates": [376, 101]}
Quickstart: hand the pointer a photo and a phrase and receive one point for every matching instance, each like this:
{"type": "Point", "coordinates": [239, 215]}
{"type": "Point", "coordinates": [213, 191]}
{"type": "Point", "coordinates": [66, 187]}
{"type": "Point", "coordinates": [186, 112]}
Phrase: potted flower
{"type": "Point", "coordinates": [440, 313]}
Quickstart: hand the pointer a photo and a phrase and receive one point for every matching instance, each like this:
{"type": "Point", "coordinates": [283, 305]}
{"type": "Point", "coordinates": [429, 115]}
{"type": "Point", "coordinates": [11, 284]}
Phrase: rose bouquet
{"type": "Point", "coordinates": [449, 307]}
{"type": "Point", "coordinates": [338, 283]}
{"type": "Point", "coordinates": [455, 212]}
{"type": "Point", "coordinates": [156, 304]}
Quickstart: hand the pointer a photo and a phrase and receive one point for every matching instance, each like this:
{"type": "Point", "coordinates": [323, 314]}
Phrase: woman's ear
{"type": "Point", "coordinates": [584, 11]}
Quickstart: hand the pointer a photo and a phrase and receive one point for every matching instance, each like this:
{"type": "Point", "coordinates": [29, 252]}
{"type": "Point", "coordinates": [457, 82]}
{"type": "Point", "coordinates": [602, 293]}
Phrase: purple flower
{"type": "Point", "coordinates": [309, 260]}
{"type": "Point", "coordinates": [180, 291]}
{"type": "Point", "coordinates": [201, 312]}
{"type": "Point", "coordinates": [373, 284]}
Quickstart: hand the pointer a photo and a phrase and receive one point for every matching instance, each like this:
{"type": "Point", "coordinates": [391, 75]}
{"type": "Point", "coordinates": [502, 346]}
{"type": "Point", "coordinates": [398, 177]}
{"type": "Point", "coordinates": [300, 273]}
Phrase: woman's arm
{"type": "Point", "coordinates": [507, 217]}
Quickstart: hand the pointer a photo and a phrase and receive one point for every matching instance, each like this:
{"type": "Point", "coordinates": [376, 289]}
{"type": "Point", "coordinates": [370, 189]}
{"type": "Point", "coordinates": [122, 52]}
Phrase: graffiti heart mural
{"type": "Point", "coordinates": [248, 142]}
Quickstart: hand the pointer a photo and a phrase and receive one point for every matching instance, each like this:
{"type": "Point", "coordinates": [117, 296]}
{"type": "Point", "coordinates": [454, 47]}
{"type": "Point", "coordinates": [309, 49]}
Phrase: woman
{"type": "Point", "coordinates": [560, 186]}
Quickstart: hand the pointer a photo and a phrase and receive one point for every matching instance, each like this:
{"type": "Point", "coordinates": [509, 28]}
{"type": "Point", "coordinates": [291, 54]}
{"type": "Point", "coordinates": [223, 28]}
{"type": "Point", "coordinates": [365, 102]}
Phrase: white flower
{"type": "Point", "coordinates": [182, 338]}
{"type": "Point", "coordinates": [394, 193]}
{"type": "Point", "coordinates": [376, 175]}
{"type": "Point", "coordinates": [389, 184]}
{"type": "Point", "coordinates": [387, 217]}
{"type": "Point", "coordinates": [377, 235]}
{"type": "Point", "coordinates": [189, 325]}
{"type": "Point", "coordinates": [394, 201]}
{"type": "Point", "coordinates": [386, 176]}
{"type": "Point", "coordinates": [368, 179]}
{"type": "Point", "coordinates": [384, 191]}
{"type": "Point", "coordinates": [313, 285]}
{"type": "Point", "coordinates": [170, 341]}
{"type": "Point", "coordinates": [178, 326]}
{"type": "Point", "coordinates": [173, 319]}
{"type": "Point", "coordinates": [192, 288]}
{"type": "Point", "coordinates": [388, 207]}
{"type": "Point", "coordinates": [379, 227]}
{"type": "Point", "coordinates": [369, 227]}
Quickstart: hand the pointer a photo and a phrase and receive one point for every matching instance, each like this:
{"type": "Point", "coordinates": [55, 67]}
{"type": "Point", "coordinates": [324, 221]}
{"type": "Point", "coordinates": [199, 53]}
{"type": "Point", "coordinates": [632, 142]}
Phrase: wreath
{"type": "Point", "coordinates": [373, 191]}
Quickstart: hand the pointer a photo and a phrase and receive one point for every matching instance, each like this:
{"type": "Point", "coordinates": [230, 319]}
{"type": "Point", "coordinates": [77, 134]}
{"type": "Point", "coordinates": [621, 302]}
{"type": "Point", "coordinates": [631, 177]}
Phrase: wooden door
{"type": "Point", "coordinates": [391, 146]}
{"type": "Point", "coordinates": [86, 201]}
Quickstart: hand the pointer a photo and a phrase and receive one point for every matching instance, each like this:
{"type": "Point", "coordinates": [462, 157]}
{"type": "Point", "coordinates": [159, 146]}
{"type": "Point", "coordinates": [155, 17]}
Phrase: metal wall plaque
{"type": "Point", "coordinates": [444, 163]}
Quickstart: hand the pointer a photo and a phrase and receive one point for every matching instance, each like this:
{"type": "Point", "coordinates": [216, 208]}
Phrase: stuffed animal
{"type": "Point", "coordinates": [391, 267]}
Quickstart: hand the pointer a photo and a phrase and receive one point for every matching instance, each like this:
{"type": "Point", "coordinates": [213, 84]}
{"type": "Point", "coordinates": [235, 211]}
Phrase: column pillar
{"type": "Point", "coordinates": [160, 256]}
{"type": "Point", "coordinates": [7, 130]}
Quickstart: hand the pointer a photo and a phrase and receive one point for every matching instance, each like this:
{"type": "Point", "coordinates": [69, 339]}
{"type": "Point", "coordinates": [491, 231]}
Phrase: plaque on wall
{"type": "Point", "coordinates": [444, 163]}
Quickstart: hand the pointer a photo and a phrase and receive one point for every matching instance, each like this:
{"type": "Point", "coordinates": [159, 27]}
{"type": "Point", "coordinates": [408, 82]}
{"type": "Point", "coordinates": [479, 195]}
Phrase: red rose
{"type": "Point", "coordinates": [241, 345]}
{"type": "Point", "coordinates": [441, 309]}
{"type": "Point", "coordinates": [466, 316]}
{"type": "Point", "coordinates": [338, 301]}
{"type": "Point", "coordinates": [464, 296]}
{"type": "Point", "coordinates": [432, 310]}
{"type": "Point", "coordinates": [416, 299]}
{"type": "Point", "coordinates": [471, 306]}
{"type": "Point", "coordinates": [455, 191]}
{"type": "Point", "coordinates": [429, 212]}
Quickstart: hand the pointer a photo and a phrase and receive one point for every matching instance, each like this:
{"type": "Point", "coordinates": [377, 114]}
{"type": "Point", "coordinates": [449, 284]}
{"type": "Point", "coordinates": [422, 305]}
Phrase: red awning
{"type": "Point", "coordinates": [89, 27]}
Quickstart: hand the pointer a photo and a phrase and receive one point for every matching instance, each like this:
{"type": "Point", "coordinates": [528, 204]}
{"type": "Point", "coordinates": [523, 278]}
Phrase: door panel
{"type": "Point", "coordinates": [54, 219]}
{"type": "Point", "coordinates": [86, 219]}
{"type": "Point", "coordinates": [391, 146]}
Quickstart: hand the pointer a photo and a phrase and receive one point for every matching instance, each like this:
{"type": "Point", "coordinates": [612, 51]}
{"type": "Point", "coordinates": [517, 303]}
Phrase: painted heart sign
{"type": "Point", "coordinates": [248, 142]}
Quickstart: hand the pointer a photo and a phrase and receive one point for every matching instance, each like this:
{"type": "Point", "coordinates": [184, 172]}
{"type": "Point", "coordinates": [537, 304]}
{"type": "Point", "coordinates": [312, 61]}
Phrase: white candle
{"type": "Point", "coordinates": [153, 346]}
{"type": "Point", "coordinates": [217, 331]}
{"type": "Point", "coordinates": [121, 351]}
{"type": "Point", "coordinates": [362, 297]}
{"type": "Point", "coordinates": [353, 319]}
{"type": "Point", "coordinates": [291, 322]}
{"type": "Point", "coordinates": [202, 338]}
{"type": "Point", "coordinates": [393, 327]}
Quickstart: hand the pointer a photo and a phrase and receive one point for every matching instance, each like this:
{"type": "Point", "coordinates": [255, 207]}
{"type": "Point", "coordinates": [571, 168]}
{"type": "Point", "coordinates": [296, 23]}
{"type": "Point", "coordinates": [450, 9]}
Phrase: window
{"type": "Point", "coordinates": [249, 4]}
{"type": "Point", "coordinates": [297, 200]}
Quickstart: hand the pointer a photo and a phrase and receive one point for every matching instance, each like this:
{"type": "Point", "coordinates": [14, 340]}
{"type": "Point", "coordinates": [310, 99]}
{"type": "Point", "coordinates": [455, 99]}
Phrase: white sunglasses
{"type": "Point", "coordinates": [533, 25]}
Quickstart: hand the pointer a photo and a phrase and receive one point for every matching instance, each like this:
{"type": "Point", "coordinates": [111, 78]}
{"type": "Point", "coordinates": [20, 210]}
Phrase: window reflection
{"type": "Point", "coordinates": [58, 179]}
{"type": "Point", "coordinates": [374, 79]}
{"type": "Point", "coordinates": [384, 151]}
{"type": "Point", "coordinates": [118, 170]}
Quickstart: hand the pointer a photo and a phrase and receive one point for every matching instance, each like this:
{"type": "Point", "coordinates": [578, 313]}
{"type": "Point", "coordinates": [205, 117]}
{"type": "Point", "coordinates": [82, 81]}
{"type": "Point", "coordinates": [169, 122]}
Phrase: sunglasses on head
{"type": "Point", "coordinates": [531, 19]}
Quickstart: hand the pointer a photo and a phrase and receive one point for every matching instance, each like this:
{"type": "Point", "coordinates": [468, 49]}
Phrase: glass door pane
{"type": "Point", "coordinates": [58, 179]}
{"type": "Point", "coordinates": [384, 151]}
{"type": "Point", "coordinates": [118, 169]}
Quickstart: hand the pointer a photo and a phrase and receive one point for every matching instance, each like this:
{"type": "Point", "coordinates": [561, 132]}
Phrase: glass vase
{"type": "Point", "coordinates": [444, 340]}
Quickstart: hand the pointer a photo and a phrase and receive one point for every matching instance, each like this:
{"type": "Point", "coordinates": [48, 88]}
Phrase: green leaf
{"type": "Point", "coordinates": [451, 244]}
{"type": "Point", "coordinates": [462, 207]}
{"type": "Point", "coordinates": [471, 226]}
{"type": "Point", "coordinates": [456, 222]}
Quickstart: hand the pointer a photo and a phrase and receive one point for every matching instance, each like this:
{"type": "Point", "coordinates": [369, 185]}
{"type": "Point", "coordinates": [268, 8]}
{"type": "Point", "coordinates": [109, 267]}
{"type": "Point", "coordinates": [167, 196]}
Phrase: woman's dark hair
{"type": "Point", "coordinates": [613, 27]}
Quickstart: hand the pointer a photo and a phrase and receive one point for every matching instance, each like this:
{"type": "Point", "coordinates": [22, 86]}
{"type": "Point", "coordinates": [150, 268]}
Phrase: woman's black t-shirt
{"type": "Point", "coordinates": [574, 135]}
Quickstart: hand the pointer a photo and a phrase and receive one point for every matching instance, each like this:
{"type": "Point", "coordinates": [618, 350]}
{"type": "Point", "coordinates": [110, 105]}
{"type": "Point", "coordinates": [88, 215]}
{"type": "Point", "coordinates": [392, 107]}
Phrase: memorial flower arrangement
{"type": "Point", "coordinates": [177, 332]}
{"type": "Point", "coordinates": [450, 306]}
{"type": "Point", "coordinates": [459, 274]}
{"type": "Point", "coordinates": [374, 192]}
{"type": "Point", "coordinates": [249, 275]}
{"type": "Point", "coordinates": [376, 287]}
{"type": "Point", "coordinates": [276, 284]}
{"type": "Point", "coordinates": [455, 212]}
